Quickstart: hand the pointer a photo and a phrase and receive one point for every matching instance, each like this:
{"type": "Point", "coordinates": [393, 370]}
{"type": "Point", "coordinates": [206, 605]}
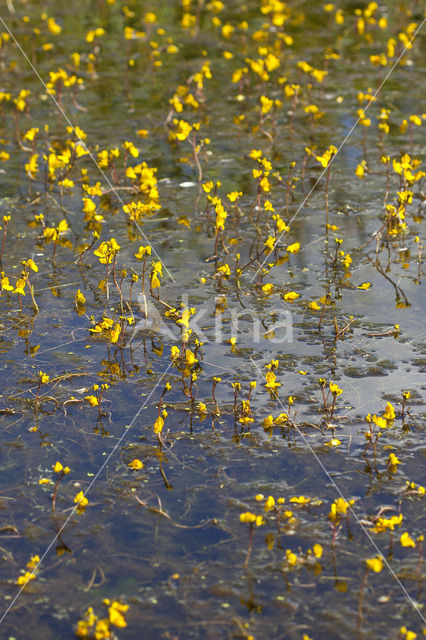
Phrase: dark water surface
{"type": "Point", "coordinates": [167, 539]}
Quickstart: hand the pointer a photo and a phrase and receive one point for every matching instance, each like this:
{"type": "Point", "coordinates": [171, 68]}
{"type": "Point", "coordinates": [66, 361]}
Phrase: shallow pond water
{"type": "Point", "coordinates": [242, 402]}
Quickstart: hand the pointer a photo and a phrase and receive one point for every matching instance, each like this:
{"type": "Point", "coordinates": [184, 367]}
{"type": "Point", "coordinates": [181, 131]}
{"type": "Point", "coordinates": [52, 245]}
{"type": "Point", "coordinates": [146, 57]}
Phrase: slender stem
{"type": "Point", "coordinates": [361, 598]}
{"type": "Point", "coordinates": [55, 491]}
{"type": "Point", "coordinates": [333, 537]}
{"type": "Point", "coordinates": [326, 200]}
{"type": "Point", "coordinates": [197, 161]}
{"type": "Point", "coordinates": [250, 545]}
{"type": "Point", "coordinates": [332, 407]}
{"type": "Point", "coordinates": [3, 241]}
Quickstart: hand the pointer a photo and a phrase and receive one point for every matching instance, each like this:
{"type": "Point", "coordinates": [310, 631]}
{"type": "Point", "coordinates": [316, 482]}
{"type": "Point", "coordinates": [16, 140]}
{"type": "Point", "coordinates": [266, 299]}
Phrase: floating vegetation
{"type": "Point", "coordinates": [211, 251]}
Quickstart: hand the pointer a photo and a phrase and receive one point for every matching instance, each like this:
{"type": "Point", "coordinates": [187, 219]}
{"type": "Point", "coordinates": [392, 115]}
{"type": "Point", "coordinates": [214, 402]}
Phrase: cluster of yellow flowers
{"type": "Point", "coordinates": [101, 628]}
{"type": "Point", "coordinates": [270, 88]}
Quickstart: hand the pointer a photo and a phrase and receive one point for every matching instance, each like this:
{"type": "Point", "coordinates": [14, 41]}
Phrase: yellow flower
{"type": "Point", "coordinates": [271, 381]}
{"type": "Point", "coordinates": [221, 215]}
{"type": "Point", "coordinates": [143, 252]}
{"type": "Point", "coordinates": [30, 134]}
{"type": "Point", "coordinates": [268, 288]}
{"type": "Point", "coordinates": [379, 422]}
{"type": "Point", "coordinates": [406, 540]}
{"type": "Point", "coordinates": [33, 562]}
{"type": "Point", "coordinates": [182, 130]}
{"type": "Point", "coordinates": [311, 109]}
{"type": "Point", "coordinates": [374, 564]}
{"type": "Point", "coordinates": [382, 524]}
{"type": "Point", "coordinates": [23, 580]}
{"type": "Point", "coordinates": [268, 422]}
{"type": "Point", "coordinates": [62, 226]}
{"type": "Point", "coordinates": [251, 518]}
{"type": "Point", "coordinates": [227, 30]}
{"type": "Point", "coordinates": [335, 390]}
{"type": "Point", "coordinates": [339, 508]}
{"type": "Point", "coordinates": [5, 284]}
{"type": "Point", "coordinates": [393, 461]}
{"type": "Point", "coordinates": [67, 183]}
{"type": "Point", "coordinates": [202, 408]}
{"type": "Point", "coordinates": [300, 500]}
{"type": "Point", "coordinates": [107, 251]}
{"type": "Point", "coordinates": [31, 166]}
{"type": "Point", "coordinates": [156, 269]}
{"type": "Point", "coordinates": [19, 287]}
{"type": "Point", "coordinates": [407, 634]}
{"type": "Point", "coordinates": [273, 365]}
{"type": "Point", "coordinates": [327, 156]}
{"type": "Point", "coordinates": [266, 104]}
{"type": "Point", "coordinates": [269, 504]}
{"type": "Point", "coordinates": [50, 234]}
{"type": "Point", "coordinates": [293, 248]}
{"type": "Point", "coordinates": [94, 33]}
{"type": "Point", "coordinates": [190, 358]}
{"type": "Point", "coordinates": [44, 377]}
{"type": "Point", "coordinates": [291, 296]}
{"type": "Point", "coordinates": [314, 306]}
{"type": "Point", "coordinates": [225, 270]}
{"type": "Point", "coordinates": [135, 464]}
{"type": "Point", "coordinates": [255, 154]}
{"type": "Point", "coordinates": [115, 612]}
{"type": "Point", "coordinates": [270, 243]}
{"type": "Point", "coordinates": [389, 413]}
{"type": "Point", "coordinates": [291, 557]}
{"type": "Point", "coordinates": [208, 186]}
{"type": "Point", "coordinates": [234, 195]}
{"type": "Point", "coordinates": [333, 443]}
{"type": "Point", "coordinates": [115, 333]}
{"type": "Point", "coordinates": [247, 517]}
{"type": "Point", "coordinates": [158, 425]}
{"type": "Point", "coordinates": [80, 300]}
{"type": "Point", "coordinates": [347, 260]}
{"type": "Point", "coordinates": [81, 500]}
{"type": "Point", "coordinates": [53, 27]}
{"type": "Point", "coordinates": [317, 549]}
{"type": "Point", "coordinates": [30, 263]}
{"type": "Point", "coordinates": [130, 147]}
{"type": "Point", "coordinates": [92, 400]}
{"type": "Point", "coordinates": [174, 352]}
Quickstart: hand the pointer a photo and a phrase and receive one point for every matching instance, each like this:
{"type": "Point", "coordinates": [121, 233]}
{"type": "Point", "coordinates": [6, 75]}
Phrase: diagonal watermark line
{"type": "Point", "coordinates": [102, 467]}
{"type": "Point", "coordinates": [342, 144]}
{"type": "Point", "coordinates": [83, 144]}
{"type": "Point", "coordinates": [367, 533]}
